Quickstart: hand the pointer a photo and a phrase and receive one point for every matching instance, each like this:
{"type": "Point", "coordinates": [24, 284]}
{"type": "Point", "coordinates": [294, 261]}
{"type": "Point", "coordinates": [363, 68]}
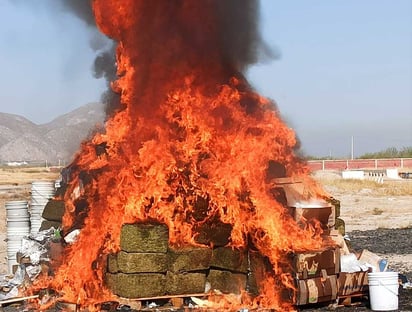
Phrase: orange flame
{"type": "Point", "coordinates": [190, 130]}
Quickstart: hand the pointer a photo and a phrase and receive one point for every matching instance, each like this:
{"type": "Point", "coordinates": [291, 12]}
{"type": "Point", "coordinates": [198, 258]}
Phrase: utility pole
{"type": "Point", "coordinates": [351, 150]}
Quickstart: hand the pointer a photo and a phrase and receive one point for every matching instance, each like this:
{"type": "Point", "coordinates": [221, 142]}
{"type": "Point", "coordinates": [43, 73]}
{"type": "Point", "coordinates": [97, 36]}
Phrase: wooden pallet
{"type": "Point", "coordinates": [168, 301]}
{"type": "Point", "coordinates": [17, 299]}
{"type": "Point", "coordinates": [351, 300]}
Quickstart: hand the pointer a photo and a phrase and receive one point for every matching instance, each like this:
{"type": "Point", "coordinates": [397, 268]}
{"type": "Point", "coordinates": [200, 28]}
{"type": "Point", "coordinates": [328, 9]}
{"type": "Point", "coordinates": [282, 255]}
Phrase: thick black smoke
{"type": "Point", "coordinates": [240, 34]}
{"type": "Point", "coordinates": [240, 40]}
{"type": "Point", "coordinates": [81, 8]}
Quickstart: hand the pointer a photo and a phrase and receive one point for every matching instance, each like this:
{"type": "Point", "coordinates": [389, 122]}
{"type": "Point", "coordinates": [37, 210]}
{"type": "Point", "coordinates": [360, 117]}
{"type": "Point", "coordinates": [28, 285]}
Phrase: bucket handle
{"type": "Point", "coordinates": [390, 290]}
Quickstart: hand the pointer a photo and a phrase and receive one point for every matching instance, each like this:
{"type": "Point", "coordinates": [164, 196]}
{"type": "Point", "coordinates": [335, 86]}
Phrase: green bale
{"type": "Point", "coordinates": [142, 262]}
{"type": "Point", "coordinates": [227, 282]}
{"type": "Point", "coordinates": [189, 259]}
{"type": "Point", "coordinates": [112, 266]}
{"type": "Point", "coordinates": [141, 237]}
{"type": "Point", "coordinates": [230, 259]}
{"type": "Point", "coordinates": [136, 285]}
{"type": "Point", "coordinates": [186, 283]}
{"type": "Point", "coordinates": [260, 269]}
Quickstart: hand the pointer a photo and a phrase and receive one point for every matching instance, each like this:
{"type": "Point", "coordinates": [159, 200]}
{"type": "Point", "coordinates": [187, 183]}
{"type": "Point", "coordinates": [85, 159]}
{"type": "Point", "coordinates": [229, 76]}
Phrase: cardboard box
{"type": "Point", "coordinates": [379, 264]}
{"type": "Point", "coordinates": [337, 237]}
{"type": "Point", "coordinates": [352, 283]}
{"type": "Point", "coordinates": [315, 290]}
{"type": "Point", "coordinates": [308, 214]}
{"type": "Point", "coordinates": [301, 206]}
{"type": "Point", "coordinates": [310, 264]}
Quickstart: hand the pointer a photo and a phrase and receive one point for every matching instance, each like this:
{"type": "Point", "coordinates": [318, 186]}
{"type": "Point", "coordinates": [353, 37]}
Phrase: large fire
{"type": "Point", "coordinates": [190, 133]}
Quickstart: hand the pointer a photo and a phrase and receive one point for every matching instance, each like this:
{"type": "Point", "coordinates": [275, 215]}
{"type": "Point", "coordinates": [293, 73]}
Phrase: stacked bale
{"type": "Point", "coordinates": [52, 214]}
{"type": "Point", "coordinates": [139, 269]}
{"type": "Point", "coordinates": [147, 266]}
{"type": "Point", "coordinates": [187, 270]}
{"type": "Point", "coordinates": [228, 270]}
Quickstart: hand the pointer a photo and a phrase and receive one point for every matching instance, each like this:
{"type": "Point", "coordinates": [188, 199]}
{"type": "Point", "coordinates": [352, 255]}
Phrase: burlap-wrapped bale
{"type": "Point", "coordinates": [189, 259]}
{"type": "Point", "coordinates": [112, 266]}
{"type": "Point", "coordinates": [227, 282]}
{"type": "Point", "coordinates": [145, 237]}
{"type": "Point", "coordinates": [185, 283]}
{"type": "Point", "coordinates": [136, 285]}
{"type": "Point", "coordinates": [230, 259]}
{"type": "Point", "coordinates": [141, 262]}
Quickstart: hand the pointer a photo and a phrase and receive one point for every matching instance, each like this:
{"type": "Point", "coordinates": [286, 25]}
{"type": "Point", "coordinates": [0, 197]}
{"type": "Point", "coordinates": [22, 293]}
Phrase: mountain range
{"type": "Point", "coordinates": [55, 142]}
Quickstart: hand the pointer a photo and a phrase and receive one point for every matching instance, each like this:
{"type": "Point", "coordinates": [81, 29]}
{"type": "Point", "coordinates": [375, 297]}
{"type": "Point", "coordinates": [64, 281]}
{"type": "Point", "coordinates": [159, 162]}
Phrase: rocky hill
{"type": "Point", "coordinates": [54, 142]}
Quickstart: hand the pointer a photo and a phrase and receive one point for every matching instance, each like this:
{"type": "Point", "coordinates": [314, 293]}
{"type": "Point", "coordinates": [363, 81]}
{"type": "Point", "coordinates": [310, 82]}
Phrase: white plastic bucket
{"type": "Point", "coordinates": [41, 193]}
{"type": "Point", "coordinates": [14, 237]}
{"type": "Point", "coordinates": [17, 209]}
{"type": "Point", "coordinates": [16, 204]}
{"type": "Point", "coordinates": [18, 230]}
{"type": "Point", "coordinates": [18, 226]}
{"type": "Point", "coordinates": [35, 226]}
{"type": "Point", "coordinates": [36, 219]}
{"type": "Point", "coordinates": [383, 291]}
{"type": "Point", "coordinates": [43, 189]}
{"type": "Point", "coordinates": [19, 203]}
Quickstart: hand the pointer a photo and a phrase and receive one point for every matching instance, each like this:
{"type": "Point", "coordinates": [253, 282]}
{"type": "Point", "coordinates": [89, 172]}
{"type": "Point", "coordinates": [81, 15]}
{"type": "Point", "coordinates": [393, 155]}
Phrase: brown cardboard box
{"type": "Point", "coordinates": [352, 283]}
{"type": "Point", "coordinates": [310, 264]}
{"type": "Point", "coordinates": [314, 290]}
{"type": "Point", "coordinates": [305, 210]}
{"type": "Point", "coordinates": [307, 214]}
{"type": "Point", "coordinates": [376, 261]}
{"type": "Point", "coordinates": [337, 237]}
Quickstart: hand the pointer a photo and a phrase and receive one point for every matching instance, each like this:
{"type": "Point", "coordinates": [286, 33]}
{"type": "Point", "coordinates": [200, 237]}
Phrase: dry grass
{"type": "Point", "coordinates": [387, 188]}
{"type": "Point", "coordinates": [26, 175]}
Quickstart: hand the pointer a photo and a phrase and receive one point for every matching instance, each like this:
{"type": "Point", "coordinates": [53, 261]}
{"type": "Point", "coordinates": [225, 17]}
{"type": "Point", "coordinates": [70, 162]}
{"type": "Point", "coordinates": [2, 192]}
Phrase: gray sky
{"type": "Point", "coordinates": [345, 68]}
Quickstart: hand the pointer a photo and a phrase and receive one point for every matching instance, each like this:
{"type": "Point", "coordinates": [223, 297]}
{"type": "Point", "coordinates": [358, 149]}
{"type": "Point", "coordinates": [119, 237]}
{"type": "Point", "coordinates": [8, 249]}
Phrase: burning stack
{"type": "Point", "coordinates": [194, 148]}
{"type": "Point", "coordinates": [147, 266]}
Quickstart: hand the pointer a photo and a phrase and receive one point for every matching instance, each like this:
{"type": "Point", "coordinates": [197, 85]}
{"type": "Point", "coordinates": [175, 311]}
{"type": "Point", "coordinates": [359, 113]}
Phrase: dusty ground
{"type": "Point", "coordinates": [378, 217]}
{"type": "Point", "coordinates": [370, 209]}
{"type": "Point", "coordinates": [367, 205]}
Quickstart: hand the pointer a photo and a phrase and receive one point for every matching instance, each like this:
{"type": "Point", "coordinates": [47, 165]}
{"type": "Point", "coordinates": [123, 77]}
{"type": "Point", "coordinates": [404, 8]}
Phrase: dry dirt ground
{"type": "Point", "coordinates": [369, 210]}
{"type": "Point", "coordinates": [378, 216]}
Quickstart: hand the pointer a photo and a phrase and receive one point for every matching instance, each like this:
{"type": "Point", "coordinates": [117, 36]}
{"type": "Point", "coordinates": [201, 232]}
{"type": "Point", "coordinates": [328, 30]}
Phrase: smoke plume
{"type": "Point", "coordinates": [236, 40]}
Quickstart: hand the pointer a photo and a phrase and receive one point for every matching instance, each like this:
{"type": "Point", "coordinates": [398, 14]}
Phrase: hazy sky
{"type": "Point", "coordinates": [345, 68]}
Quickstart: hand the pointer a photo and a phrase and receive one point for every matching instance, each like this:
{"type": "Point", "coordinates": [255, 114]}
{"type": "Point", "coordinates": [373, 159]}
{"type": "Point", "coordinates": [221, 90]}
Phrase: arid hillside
{"type": "Point", "coordinates": [53, 142]}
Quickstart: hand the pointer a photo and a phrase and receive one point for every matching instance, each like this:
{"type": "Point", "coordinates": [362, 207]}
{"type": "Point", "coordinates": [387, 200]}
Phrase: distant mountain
{"type": "Point", "coordinates": [56, 141]}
